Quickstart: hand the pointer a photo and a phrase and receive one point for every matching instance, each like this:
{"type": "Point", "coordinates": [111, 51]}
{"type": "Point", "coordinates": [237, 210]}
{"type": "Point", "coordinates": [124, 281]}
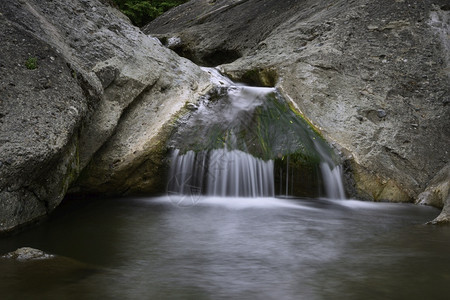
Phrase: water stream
{"type": "Point", "coordinates": [221, 172]}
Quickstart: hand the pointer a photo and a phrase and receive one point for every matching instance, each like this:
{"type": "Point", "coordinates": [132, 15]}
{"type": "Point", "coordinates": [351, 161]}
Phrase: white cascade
{"type": "Point", "coordinates": [221, 172]}
{"type": "Point", "coordinates": [332, 178]}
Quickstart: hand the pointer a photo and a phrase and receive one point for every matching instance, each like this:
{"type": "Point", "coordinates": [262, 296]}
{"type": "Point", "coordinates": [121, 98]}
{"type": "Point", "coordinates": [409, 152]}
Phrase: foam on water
{"type": "Point", "coordinates": [229, 202]}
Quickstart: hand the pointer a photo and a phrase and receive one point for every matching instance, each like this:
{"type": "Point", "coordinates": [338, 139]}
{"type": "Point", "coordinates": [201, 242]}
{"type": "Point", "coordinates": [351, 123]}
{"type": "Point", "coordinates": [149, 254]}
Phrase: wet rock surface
{"type": "Point", "coordinates": [27, 254]}
{"type": "Point", "coordinates": [78, 83]}
{"type": "Point", "coordinates": [373, 77]}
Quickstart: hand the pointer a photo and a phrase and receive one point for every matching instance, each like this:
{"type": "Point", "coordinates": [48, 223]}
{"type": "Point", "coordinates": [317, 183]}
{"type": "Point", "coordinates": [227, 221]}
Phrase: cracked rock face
{"type": "Point", "coordinates": [98, 100]}
{"type": "Point", "coordinates": [373, 76]}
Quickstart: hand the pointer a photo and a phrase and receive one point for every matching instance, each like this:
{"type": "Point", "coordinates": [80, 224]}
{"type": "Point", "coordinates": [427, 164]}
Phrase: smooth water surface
{"type": "Point", "coordinates": [233, 248]}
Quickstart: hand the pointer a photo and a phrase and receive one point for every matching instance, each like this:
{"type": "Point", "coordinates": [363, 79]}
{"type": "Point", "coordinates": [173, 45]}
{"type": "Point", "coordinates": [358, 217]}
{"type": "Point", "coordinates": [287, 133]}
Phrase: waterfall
{"type": "Point", "coordinates": [332, 178]}
{"type": "Point", "coordinates": [249, 142]}
{"type": "Point", "coordinates": [234, 173]}
{"type": "Point", "coordinates": [331, 175]}
{"type": "Point", "coordinates": [221, 172]}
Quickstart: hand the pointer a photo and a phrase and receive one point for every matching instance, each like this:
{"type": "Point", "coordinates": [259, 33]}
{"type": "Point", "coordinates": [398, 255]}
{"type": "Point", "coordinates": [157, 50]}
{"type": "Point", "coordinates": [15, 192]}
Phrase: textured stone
{"type": "Point", "coordinates": [437, 194]}
{"type": "Point", "coordinates": [444, 216]}
{"type": "Point", "coordinates": [100, 100]}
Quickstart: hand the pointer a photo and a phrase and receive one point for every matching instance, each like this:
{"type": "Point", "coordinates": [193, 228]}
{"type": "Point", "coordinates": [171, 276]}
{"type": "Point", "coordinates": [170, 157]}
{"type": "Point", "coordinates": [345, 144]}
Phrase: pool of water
{"type": "Point", "coordinates": [232, 248]}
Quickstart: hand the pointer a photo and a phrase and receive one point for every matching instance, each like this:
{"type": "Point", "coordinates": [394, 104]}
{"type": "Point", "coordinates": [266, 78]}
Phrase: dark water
{"type": "Point", "coordinates": [233, 248]}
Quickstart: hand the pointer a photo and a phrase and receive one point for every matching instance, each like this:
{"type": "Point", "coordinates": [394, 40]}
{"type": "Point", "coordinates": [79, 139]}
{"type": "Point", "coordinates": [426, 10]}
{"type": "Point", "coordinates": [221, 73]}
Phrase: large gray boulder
{"type": "Point", "coordinates": [372, 76]}
{"type": "Point", "coordinates": [82, 89]}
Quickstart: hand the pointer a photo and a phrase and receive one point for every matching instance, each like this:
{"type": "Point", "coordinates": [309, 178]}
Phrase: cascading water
{"type": "Point", "coordinates": [245, 141]}
{"type": "Point", "coordinates": [221, 172]}
{"type": "Point", "coordinates": [332, 179]}
{"type": "Point", "coordinates": [331, 175]}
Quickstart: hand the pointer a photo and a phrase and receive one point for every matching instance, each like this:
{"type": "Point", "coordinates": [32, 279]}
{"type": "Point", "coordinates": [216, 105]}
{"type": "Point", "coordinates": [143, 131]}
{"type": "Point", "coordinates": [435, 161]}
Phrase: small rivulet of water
{"type": "Point", "coordinates": [242, 141]}
{"type": "Point", "coordinates": [331, 174]}
{"type": "Point", "coordinates": [332, 178]}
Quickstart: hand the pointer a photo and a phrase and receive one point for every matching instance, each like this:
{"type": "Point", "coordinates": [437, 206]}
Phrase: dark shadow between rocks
{"type": "Point", "coordinates": [219, 57]}
{"type": "Point", "coordinates": [262, 77]}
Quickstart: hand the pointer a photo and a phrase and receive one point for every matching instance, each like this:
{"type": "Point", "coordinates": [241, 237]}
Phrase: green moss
{"type": "Point", "coordinates": [142, 12]}
{"type": "Point", "coordinates": [272, 130]}
{"type": "Point", "coordinates": [31, 63]}
{"type": "Point", "coordinates": [300, 115]}
{"type": "Point", "coordinates": [280, 131]}
{"type": "Point", "coordinates": [73, 166]}
{"type": "Point", "coordinates": [260, 77]}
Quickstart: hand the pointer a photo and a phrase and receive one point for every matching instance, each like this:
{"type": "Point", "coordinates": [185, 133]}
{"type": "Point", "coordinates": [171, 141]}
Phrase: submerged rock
{"type": "Point", "coordinates": [27, 254]}
{"type": "Point", "coordinates": [362, 72]}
